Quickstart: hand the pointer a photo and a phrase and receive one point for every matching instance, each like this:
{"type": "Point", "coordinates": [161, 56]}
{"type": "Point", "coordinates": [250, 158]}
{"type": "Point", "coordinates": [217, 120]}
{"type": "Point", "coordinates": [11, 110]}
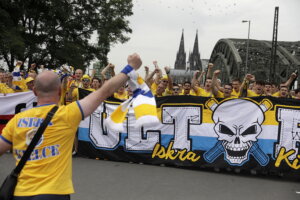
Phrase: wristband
{"type": "Point", "coordinates": [130, 72]}
{"type": "Point", "coordinates": [127, 69]}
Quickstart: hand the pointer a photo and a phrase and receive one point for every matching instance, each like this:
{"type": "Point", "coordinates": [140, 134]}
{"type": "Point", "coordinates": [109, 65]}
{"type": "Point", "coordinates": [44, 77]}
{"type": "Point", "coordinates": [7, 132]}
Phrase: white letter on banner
{"type": "Point", "coordinates": [100, 135]}
{"type": "Point", "coordinates": [181, 118]}
{"type": "Point", "coordinates": [289, 135]}
{"type": "Point", "coordinates": [140, 139]}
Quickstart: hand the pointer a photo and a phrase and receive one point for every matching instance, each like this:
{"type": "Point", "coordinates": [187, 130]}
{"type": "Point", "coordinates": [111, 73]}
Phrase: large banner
{"type": "Point", "coordinates": [259, 133]}
{"type": "Point", "coordinates": [11, 104]}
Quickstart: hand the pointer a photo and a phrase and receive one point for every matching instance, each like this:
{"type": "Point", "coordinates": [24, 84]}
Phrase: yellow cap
{"type": "Point", "coordinates": [86, 77]}
{"type": "Point", "coordinates": [165, 77]}
{"type": "Point", "coordinates": [28, 79]}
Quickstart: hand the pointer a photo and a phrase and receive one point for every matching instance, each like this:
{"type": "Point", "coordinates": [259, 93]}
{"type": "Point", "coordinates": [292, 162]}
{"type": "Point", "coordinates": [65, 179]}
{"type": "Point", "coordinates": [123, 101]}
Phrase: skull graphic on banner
{"type": "Point", "coordinates": [237, 125]}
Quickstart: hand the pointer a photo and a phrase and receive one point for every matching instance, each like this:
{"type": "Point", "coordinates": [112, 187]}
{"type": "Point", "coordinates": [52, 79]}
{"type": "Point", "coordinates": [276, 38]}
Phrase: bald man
{"type": "Point", "coordinates": [78, 76]}
{"type": "Point", "coordinates": [47, 174]}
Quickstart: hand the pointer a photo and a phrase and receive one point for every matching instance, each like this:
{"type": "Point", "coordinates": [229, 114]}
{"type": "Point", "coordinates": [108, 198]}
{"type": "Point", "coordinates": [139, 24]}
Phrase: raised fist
{"type": "Point", "coordinates": [134, 61]}
{"type": "Point", "coordinates": [167, 70]}
{"type": "Point", "coordinates": [196, 73]}
{"type": "Point", "coordinates": [217, 72]}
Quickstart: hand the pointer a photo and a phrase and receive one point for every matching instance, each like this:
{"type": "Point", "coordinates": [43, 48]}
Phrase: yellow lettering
{"type": "Point", "coordinates": [192, 156]}
{"type": "Point", "coordinates": [283, 155]}
{"type": "Point", "coordinates": [181, 155]}
{"type": "Point", "coordinates": [155, 150]}
{"type": "Point", "coordinates": [170, 153]}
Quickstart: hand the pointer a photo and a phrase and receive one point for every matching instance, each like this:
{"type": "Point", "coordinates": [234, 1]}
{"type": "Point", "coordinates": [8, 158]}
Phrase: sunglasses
{"type": "Point", "coordinates": [85, 80]}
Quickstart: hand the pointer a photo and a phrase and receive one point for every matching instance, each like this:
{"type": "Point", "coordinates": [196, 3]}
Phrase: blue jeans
{"type": "Point", "coordinates": [44, 197]}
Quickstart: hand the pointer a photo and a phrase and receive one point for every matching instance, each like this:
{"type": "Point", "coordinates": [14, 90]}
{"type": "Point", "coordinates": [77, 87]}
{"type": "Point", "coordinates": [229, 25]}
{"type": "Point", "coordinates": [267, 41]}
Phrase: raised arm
{"type": "Point", "coordinates": [93, 74]}
{"type": "Point", "coordinates": [245, 84]}
{"type": "Point", "coordinates": [112, 70]}
{"type": "Point", "coordinates": [170, 81]}
{"type": "Point", "coordinates": [214, 84]}
{"type": "Point", "coordinates": [146, 72]}
{"type": "Point", "coordinates": [158, 74]}
{"type": "Point", "coordinates": [149, 80]}
{"type": "Point", "coordinates": [194, 80]}
{"type": "Point", "coordinates": [209, 70]}
{"type": "Point", "coordinates": [290, 80]}
{"type": "Point", "coordinates": [200, 78]}
{"type": "Point", "coordinates": [103, 72]}
{"type": "Point", "coordinates": [93, 100]}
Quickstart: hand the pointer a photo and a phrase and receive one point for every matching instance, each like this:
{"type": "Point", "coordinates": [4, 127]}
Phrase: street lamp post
{"type": "Point", "coordinates": [247, 50]}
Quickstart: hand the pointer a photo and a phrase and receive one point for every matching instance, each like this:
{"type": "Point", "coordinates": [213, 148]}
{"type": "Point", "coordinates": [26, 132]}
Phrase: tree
{"type": "Point", "coordinates": [56, 32]}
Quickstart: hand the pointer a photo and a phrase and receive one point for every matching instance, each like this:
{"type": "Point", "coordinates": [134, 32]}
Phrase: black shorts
{"type": "Point", "coordinates": [43, 197]}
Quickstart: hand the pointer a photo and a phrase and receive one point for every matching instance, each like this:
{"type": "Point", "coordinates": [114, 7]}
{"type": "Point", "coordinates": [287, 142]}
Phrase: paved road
{"type": "Point", "coordinates": [99, 179]}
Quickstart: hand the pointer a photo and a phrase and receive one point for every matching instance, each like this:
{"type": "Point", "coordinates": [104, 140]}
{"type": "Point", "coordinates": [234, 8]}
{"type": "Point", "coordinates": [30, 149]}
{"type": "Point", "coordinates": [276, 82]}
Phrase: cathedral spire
{"type": "Point", "coordinates": [181, 46]}
{"type": "Point", "coordinates": [194, 57]}
{"type": "Point", "coordinates": [181, 55]}
{"type": "Point", "coordinates": [196, 48]}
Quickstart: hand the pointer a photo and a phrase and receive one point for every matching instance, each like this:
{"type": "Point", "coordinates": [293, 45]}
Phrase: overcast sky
{"type": "Point", "coordinates": [157, 26]}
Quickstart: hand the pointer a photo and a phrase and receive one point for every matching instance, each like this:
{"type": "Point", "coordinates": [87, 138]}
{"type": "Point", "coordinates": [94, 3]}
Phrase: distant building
{"type": "Point", "coordinates": [180, 62]}
{"type": "Point", "coordinates": [183, 70]}
{"type": "Point", "coordinates": [194, 57]}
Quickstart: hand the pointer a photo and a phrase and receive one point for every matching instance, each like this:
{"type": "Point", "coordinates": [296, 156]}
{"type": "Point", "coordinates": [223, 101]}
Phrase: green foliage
{"type": "Point", "coordinates": [56, 32]}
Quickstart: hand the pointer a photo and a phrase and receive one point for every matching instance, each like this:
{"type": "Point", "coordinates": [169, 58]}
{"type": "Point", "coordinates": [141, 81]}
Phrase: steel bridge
{"type": "Point", "coordinates": [229, 55]}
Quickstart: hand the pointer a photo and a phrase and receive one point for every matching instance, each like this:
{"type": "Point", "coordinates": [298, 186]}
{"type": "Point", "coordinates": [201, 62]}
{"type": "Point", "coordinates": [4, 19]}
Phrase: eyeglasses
{"type": "Point", "coordinates": [85, 80]}
{"type": "Point", "coordinates": [175, 89]}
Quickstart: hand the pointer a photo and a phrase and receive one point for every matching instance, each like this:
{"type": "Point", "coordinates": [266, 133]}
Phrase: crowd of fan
{"type": "Point", "coordinates": [212, 87]}
{"type": "Point", "coordinates": [205, 84]}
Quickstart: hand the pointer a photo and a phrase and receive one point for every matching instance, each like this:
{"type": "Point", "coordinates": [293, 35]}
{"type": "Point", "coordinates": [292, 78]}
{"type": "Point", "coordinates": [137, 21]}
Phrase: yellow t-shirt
{"type": "Point", "coordinates": [2, 87]}
{"type": "Point", "coordinates": [192, 92]}
{"type": "Point", "coordinates": [251, 93]}
{"type": "Point", "coordinates": [234, 93]}
{"type": "Point", "coordinates": [201, 92]}
{"type": "Point", "coordinates": [49, 169]}
{"type": "Point", "coordinates": [167, 92]}
{"type": "Point", "coordinates": [5, 89]}
{"type": "Point", "coordinates": [21, 84]}
{"type": "Point", "coordinates": [276, 94]}
{"type": "Point", "coordinates": [76, 83]}
{"type": "Point", "coordinates": [153, 87]}
{"type": "Point", "coordinates": [221, 95]}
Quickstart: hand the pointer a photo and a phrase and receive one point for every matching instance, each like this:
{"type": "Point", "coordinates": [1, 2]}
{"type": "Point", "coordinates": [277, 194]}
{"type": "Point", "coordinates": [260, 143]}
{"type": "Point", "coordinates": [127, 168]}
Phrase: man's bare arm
{"type": "Point", "coordinates": [170, 81]}
{"type": "Point", "coordinates": [103, 72]}
{"type": "Point", "coordinates": [214, 82]}
{"type": "Point", "coordinates": [93, 100]}
{"type": "Point", "coordinates": [209, 70]}
{"type": "Point", "coordinates": [194, 80]}
{"type": "Point", "coordinates": [290, 80]}
{"type": "Point", "coordinates": [4, 146]}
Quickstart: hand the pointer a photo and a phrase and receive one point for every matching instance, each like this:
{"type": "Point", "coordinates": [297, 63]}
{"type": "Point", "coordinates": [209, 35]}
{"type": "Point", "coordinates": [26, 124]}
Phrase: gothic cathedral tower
{"type": "Point", "coordinates": [180, 62]}
{"type": "Point", "coordinates": [194, 57]}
